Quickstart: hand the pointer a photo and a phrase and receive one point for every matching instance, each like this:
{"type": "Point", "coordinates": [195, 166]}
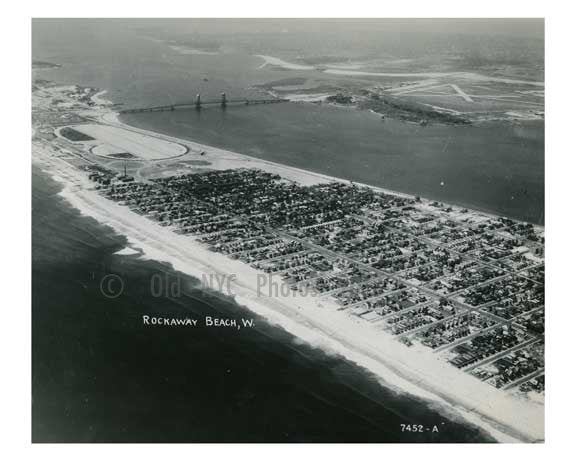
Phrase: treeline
{"type": "Point", "coordinates": [74, 135]}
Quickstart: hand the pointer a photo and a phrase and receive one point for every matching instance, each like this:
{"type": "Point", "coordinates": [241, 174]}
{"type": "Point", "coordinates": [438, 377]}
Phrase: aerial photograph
{"type": "Point", "coordinates": [287, 230]}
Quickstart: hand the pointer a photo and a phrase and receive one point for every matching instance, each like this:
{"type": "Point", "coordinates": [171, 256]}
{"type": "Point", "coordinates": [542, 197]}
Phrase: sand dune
{"type": "Point", "coordinates": [280, 63]}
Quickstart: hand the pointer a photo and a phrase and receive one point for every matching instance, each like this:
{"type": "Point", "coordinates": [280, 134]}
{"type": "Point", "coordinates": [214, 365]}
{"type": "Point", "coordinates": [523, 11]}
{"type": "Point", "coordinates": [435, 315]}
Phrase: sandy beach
{"type": "Point", "coordinates": [315, 320]}
{"type": "Point", "coordinates": [271, 60]}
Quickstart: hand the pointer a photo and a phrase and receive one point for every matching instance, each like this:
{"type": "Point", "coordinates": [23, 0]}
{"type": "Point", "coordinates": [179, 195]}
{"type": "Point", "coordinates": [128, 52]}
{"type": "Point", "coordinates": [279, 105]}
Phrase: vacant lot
{"type": "Point", "coordinates": [116, 140]}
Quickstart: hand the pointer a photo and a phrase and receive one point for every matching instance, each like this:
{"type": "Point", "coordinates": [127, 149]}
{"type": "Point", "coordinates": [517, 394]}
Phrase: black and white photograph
{"type": "Point", "coordinates": [288, 230]}
{"type": "Point", "coordinates": [250, 231]}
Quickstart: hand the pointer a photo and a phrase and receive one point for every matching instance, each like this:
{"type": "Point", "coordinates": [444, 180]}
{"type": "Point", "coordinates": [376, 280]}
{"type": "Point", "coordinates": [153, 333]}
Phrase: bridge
{"type": "Point", "coordinates": [199, 103]}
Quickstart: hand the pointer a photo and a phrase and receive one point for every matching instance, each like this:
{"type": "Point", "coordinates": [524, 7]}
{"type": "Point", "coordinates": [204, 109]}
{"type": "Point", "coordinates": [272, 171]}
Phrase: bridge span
{"type": "Point", "coordinates": [199, 103]}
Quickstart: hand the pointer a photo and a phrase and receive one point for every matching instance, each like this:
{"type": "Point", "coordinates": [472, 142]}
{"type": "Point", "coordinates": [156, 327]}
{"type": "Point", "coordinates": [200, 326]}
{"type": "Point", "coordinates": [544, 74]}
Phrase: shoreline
{"type": "Point", "coordinates": [114, 119]}
{"type": "Point", "coordinates": [319, 325]}
{"type": "Point", "coordinates": [307, 322]}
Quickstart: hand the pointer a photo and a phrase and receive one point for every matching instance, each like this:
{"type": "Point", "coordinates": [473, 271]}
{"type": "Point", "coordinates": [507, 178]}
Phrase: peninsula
{"type": "Point", "coordinates": [439, 301]}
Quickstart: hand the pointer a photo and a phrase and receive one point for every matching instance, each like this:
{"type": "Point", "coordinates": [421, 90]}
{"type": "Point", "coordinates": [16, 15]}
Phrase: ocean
{"type": "Point", "coordinates": [99, 374]}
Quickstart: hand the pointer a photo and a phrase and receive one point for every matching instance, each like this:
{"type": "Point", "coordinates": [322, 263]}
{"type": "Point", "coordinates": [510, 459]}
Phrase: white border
{"type": "Point", "coordinates": [292, 9]}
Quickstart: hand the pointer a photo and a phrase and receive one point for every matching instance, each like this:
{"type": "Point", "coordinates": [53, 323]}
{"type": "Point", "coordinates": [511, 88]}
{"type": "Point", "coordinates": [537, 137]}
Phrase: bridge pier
{"type": "Point", "coordinates": [198, 104]}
